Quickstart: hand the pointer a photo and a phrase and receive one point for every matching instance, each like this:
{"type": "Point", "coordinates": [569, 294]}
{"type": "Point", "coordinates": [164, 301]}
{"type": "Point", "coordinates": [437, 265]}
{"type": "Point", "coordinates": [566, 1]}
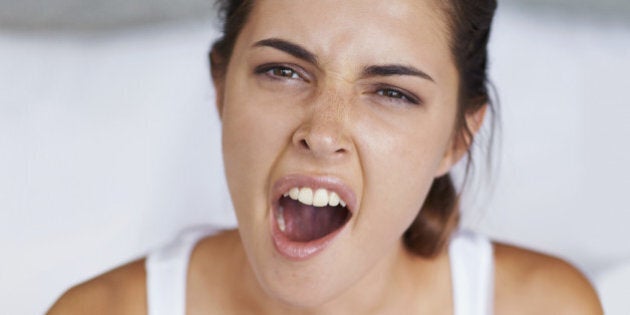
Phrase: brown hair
{"type": "Point", "coordinates": [469, 23]}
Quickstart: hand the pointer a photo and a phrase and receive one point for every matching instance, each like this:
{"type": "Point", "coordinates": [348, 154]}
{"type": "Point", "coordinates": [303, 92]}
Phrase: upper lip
{"type": "Point", "coordinates": [330, 183]}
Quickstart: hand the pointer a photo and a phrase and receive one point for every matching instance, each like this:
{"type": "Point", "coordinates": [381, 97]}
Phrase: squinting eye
{"type": "Point", "coordinates": [397, 95]}
{"type": "Point", "coordinates": [282, 72]}
{"type": "Point", "coordinates": [391, 93]}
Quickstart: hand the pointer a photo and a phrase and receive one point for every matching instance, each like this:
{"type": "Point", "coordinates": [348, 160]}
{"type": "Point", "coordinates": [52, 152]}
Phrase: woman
{"type": "Point", "coordinates": [341, 121]}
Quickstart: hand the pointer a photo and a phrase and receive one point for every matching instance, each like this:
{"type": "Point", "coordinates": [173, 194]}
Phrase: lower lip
{"type": "Point", "coordinates": [299, 251]}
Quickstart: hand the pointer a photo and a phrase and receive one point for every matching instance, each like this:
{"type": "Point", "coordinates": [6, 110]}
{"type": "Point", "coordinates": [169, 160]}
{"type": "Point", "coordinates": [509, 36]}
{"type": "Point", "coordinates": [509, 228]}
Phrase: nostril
{"type": "Point", "coordinates": [342, 150]}
{"type": "Point", "coordinates": [304, 144]}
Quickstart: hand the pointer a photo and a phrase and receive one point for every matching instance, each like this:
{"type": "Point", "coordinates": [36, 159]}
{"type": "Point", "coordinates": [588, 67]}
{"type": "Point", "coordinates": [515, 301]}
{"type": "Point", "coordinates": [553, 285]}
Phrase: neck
{"type": "Point", "coordinates": [393, 283]}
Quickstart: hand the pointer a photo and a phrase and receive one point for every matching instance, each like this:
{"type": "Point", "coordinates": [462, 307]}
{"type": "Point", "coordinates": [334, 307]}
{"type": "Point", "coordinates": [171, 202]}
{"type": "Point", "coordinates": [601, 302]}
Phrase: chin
{"type": "Point", "coordinates": [303, 284]}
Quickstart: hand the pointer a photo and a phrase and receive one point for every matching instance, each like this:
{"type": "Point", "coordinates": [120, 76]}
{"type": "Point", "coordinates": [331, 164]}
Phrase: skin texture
{"type": "Point", "coordinates": [329, 120]}
{"type": "Point", "coordinates": [284, 115]}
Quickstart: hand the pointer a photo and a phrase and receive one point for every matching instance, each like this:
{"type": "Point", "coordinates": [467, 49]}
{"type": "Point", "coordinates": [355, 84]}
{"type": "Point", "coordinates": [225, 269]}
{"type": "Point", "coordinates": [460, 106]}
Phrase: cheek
{"type": "Point", "coordinates": [400, 163]}
{"type": "Point", "coordinates": [252, 138]}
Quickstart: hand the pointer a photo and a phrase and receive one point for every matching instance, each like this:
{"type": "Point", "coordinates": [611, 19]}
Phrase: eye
{"type": "Point", "coordinates": [397, 95]}
{"type": "Point", "coordinates": [391, 93]}
{"type": "Point", "coordinates": [278, 72]}
{"type": "Point", "coordinates": [283, 72]}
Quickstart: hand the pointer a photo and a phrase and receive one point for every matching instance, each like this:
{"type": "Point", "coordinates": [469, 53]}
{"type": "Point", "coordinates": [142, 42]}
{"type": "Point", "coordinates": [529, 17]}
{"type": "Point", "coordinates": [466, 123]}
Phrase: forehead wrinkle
{"type": "Point", "coordinates": [343, 54]}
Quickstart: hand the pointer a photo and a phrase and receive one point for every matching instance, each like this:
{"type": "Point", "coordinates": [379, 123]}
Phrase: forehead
{"type": "Point", "coordinates": [357, 31]}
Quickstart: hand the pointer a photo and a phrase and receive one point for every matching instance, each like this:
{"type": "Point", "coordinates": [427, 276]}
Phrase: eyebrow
{"type": "Point", "coordinates": [300, 52]}
{"type": "Point", "coordinates": [395, 69]}
{"type": "Point", "coordinates": [292, 49]}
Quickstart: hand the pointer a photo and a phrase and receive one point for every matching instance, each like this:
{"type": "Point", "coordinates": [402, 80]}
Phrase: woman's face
{"type": "Point", "coordinates": [352, 98]}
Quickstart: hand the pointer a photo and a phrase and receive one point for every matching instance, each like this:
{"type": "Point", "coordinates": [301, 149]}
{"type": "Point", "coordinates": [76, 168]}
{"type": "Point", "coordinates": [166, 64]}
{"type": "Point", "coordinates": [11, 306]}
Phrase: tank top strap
{"type": "Point", "coordinates": [167, 269]}
{"type": "Point", "coordinates": [472, 272]}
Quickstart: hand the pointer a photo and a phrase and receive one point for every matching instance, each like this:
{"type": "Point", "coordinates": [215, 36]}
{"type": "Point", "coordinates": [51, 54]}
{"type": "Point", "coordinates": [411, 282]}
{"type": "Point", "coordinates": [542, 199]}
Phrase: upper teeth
{"type": "Point", "coordinates": [321, 198]}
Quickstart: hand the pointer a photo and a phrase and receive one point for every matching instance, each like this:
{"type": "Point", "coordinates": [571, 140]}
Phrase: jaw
{"type": "Point", "coordinates": [334, 282]}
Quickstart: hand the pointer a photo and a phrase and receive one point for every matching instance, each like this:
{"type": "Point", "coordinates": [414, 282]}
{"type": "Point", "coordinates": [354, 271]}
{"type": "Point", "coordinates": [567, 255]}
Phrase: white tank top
{"type": "Point", "coordinates": [470, 254]}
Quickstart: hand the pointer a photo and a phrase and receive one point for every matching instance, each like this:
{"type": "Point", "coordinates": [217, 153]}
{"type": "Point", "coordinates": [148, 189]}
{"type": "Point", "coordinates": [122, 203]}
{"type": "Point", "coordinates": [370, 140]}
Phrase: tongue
{"type": "Point", "coordinates": [306, 223]}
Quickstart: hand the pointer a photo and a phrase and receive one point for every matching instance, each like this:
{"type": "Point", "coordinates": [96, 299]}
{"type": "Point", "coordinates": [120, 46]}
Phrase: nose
{"type": "Point", "coordinates": [324, 134]}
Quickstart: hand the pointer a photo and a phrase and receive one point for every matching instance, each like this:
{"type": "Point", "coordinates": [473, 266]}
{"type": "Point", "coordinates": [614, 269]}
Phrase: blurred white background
{"type": "Point", "coordinates": [109, 142]}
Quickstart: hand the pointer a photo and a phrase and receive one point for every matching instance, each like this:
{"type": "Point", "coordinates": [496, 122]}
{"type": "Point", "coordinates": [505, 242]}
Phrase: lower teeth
{"type": "Point", "coordinates": [280, 219]}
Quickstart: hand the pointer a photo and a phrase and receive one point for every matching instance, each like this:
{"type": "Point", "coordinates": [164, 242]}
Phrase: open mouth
{"type": "Point", "coordinates": [306, 215]}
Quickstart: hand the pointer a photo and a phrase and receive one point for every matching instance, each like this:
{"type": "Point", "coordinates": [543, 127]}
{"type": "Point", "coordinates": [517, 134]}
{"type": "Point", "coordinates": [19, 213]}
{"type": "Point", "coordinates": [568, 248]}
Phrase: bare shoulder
{"type": "Point", "coordinates": [119, 291]}
{"type": "Point", "coordinates": [532, 283]}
